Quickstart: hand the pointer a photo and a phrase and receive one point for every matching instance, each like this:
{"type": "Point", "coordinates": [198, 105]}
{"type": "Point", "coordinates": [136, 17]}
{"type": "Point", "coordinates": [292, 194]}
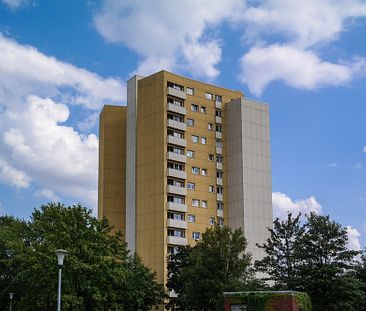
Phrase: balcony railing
{"type": "Point", "coordinates": [218, 165]}
{"type": "Point", "coordinates": [175, 223]}
{"type": "Point", "coordinates": [177, 125]}
{"type": "Point", "coordinates": [177, 240]}
{"type": "Point", "coordinates": [177, 207]}
{"type": "Point", "coordinates": [176, 190]}
{"type": "Point", "coordinates": [176, 157]}
{"type": "Point", "coordinates": [218, 120]}
{"type": "Point", "coordinates": [220, 197]}
{"type": "Point", "coordinates": [177, 174]}
{"type": "Point", "coordinates": [176, 93]}
{"type": "Point", "coordinates": [175, 108]}
{"type": "Point", "coordinates": [177, 141]}
{"type": "Point", "coordinates": [218, 135]}
{"type": "Point", "coordinates": [219, 181]}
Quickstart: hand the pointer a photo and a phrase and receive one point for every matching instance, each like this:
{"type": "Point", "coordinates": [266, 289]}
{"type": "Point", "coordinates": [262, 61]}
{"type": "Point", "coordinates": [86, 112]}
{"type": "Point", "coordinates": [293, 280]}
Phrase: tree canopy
{"type": "Point", "coordinates": [98, 272]}
{"type": "Point", "coordinates": [199, 275]}
{"type": "Point", "coordinates": [313, 257]}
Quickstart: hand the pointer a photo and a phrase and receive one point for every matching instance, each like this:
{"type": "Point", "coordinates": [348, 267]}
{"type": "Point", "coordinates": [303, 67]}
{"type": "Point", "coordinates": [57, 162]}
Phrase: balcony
{"type": "Point", "coordinates": [219, 197]}
{"type": "Point", "coordinates": [174, 223]}
{"type": "Point", "coordinates": [176, 190]}
{"type": "Point", "coordinates": [177, 174]}
{"type": "Point", "coordinates": [219, 166]}
{"type": "Point", "coordinates": [219, 181]}
{"type": "Point", "coordinates": [175, 108]}
{"type": "Point", "coordinates": [176, 157]}
{"type": "Point", "coordinates": [218, 135]}
{"type": "Point", "coordinates": [220, 213]}
{"type": "Point", "coordinates": [176, 93]}
{"type": "Point", "coordinates": [218, 105]}
{"type": "Point", "coordinates": [177, 240]}
{"type": "Point", "coordinates": [177, 207]}
{"type": "Point", "coordinates": [218, 120]}
{"type": "Point", "coordinates": [218, 150]}
{"type": "Point", "coordinates": [177, 141]}
{"type": "Point", "coordinates": [177, 125]}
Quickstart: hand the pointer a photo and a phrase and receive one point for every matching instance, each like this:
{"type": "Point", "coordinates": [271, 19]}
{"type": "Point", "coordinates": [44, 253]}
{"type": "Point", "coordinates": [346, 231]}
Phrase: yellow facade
{"type": "Point", "coordinates": [152, 129]}
{"type": "Point", "coordinates": [112, 166]}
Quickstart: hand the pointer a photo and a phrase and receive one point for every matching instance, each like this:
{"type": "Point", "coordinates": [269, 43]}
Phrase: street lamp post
{"type": "Point", "coordinates": [11, 295]}
{"type": "Point", "coordinates": [60, 261]}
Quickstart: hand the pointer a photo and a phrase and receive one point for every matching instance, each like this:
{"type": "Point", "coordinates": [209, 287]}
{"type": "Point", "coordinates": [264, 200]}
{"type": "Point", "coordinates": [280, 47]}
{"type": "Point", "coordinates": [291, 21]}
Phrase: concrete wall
{"type": "Point", "coordinates": [249, 171]}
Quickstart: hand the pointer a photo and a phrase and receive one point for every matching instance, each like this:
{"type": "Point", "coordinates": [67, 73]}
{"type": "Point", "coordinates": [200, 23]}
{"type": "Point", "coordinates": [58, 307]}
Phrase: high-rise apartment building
{"type": "Point", "coordinates": [182, 156]}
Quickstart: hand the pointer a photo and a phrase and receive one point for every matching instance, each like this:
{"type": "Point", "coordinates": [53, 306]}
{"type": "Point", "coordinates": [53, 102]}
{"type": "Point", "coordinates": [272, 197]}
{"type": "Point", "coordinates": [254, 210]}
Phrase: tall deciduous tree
{"type": "Point", "coordinates": [98, 272]}
{"type": "Point", "coordinates": [199, 275]}
{"type": "Point", "coordinates": [313, 257]}
{"type": "Point", "coordinates": [283, 248]}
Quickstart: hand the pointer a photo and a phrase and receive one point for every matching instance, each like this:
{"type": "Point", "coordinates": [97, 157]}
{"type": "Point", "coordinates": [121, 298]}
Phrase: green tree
{"type": "Point", "coordinates": [98, 274]}
{"type": "Point", "coordinates": [313, 257]}
{"type": "Point", "coordinates": [283, 249]}
{"type": "Point", "coordinates": [199, 275]}
{"type": "Point", "coordinates": [361, 276]}
{"type": "Point", "coordinates": [327, 265]}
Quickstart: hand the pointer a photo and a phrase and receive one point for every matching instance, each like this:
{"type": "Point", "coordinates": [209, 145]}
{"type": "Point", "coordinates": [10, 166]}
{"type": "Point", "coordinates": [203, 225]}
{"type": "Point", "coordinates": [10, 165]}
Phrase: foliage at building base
{"type": "Point", "coordinates": [98, 272]}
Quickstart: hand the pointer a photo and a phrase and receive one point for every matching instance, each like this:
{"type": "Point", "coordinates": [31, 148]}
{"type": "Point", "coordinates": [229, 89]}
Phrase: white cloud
{"type": "Point", "coordinates": [304, 23]}
{"type": "Point", "coordinates": [353, 239]}
{"type": "Point", "coordinates": [282, 204]}
{"type": "Point", "coordinates": [37, 147]}
{"type": "Point", "coordinates": [168, 35]}
{"type": "Point", "coordinates": [49, 194]}
{"type": "Point", "coordinates": [89, 123]}
{"type": "Point", "coordinates": [295, 67]}
{"type": "Point", "coordinates": [331, 165]}
{"type": "Point", "coordinates": [364, 149]}
{"type": "Point", "coordinates": [301, 28]}
{"type": "Point", "coordinates": [357, 166]}
{"type": "Point", "coordinates": [15, 4]}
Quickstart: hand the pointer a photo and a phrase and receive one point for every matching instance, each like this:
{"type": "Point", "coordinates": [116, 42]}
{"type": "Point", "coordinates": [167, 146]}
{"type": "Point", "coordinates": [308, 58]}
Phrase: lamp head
{"type": "Point", "coordinates": [11, 295]}
{"type": "Point", "coordinates": [61, 253]}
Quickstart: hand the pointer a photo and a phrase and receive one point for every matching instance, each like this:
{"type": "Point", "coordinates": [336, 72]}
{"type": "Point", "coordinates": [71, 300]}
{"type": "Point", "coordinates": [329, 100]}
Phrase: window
{"type": "Point", "coordinates": [176, 199]}
{"type": "Point", "coordinates": [219, 128]}
{"type": "Point", "coordinates": [175, 134]}
{"type": "Point", "coordinates": [218, 113]}
{"type": "Point", "coordinates": [176, 183]}
{"type": "Point", "coordinates": [176, 233]}
{"type": "Point", "coordinates": [211, 188]}
{"type": "Point", "coordinates": [194, 139]}
{"type": "Point", "coordinates": [176, 216]}
{"type": "Point", "coordinates": [194, 107]}
{"type": "Point", "coordinates": [203, 140]}
{"type": "Point", "coordinates": [218, 98]}
{"type": "Point", "coordinates": [195, 202]}
{"type": "Point", "coordinates": [208, 96]}
{"type": "Point", "coordinates": [175, 102]}
{"type": "Point", "coordinates": [191, 185]}
{"type": "Point", "coordinates": [219, 159]}
{"type": "Point", "coordinates": [212, 221]}
{"type": "Point", "coordinates": [220, 190]}
{"type": "Point", "coordinates": [210, 126]}
{"type": "Point", "coordinates": [175, 117]}
{"type": "Point", "coordinates": [218, 143]}
{"type": "Point", "coordinates": [191, 218]}
{"type": "Point", "coordinates": [211, 157]}
{"type": "Point", "coordinates": [173, 250]}
{"type": "Point", "coordinates": [204, 172]}
{"type": "Point", "coordinates": [219, 174]}
{"type": "Point", "coordinates": [175, 86]}
{"type": "Point", "coordinates": [220, 206]}
{"type": "Point", "coordinates": [204, 204]}
{"type": "Point", "coordinates": [220, 221]}
{"type": "Point", "coordinates": [196, 235]}
{"type": "Point", "coordinates": [176, 166]}
{"type": "Point", "coordinates": [203, 109]}
{"type": "Point", "coordinates": [190, 91]}
{"type": "Point", "coordinates": [190, 122]}
{"type": "Point", "coordinates": [195, 170]}
{"type": "Point", "coordinates": [175, 150]}
{"type": "Point", "coordinates": [190, 153]}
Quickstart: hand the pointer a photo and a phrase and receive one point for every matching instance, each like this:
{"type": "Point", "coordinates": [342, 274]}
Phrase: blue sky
{"type": "Point", "coordinates": [60, 61]}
